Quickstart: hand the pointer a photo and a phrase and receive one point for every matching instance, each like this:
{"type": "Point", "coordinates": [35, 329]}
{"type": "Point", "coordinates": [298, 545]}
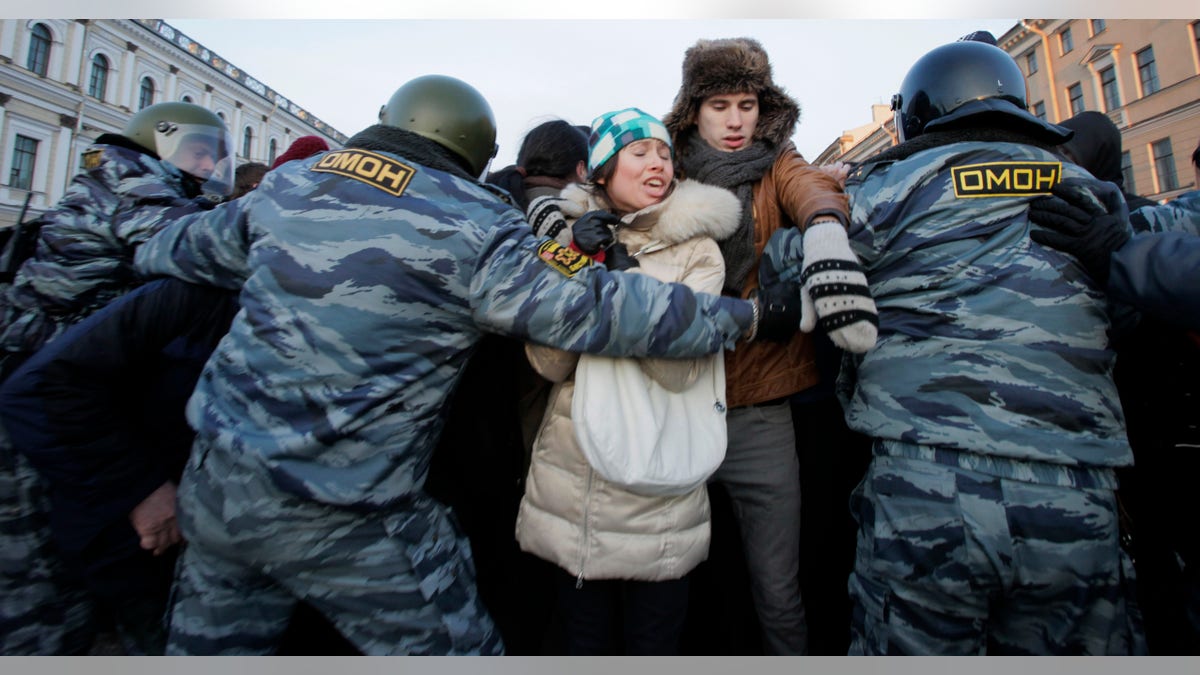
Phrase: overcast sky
{"type": "Point", "coordinates": [534, 70]}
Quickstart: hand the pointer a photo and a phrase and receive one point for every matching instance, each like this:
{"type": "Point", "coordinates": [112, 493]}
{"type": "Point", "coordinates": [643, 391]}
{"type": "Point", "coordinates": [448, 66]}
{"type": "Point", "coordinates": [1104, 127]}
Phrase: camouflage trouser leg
{"type": "Point", "coordinates": [253, 551]}
{"type": "Point", "coordinates": [952, 561]}
{"type": "Point", "coordinates": [41, 612]}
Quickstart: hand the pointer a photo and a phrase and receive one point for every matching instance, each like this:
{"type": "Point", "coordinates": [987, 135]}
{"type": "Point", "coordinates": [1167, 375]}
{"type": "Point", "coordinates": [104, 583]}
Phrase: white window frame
{"type": "Point", "coordinates": [45, 136]}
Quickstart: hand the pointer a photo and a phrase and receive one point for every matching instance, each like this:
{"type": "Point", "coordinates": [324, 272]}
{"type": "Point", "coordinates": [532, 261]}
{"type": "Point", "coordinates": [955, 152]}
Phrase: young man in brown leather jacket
{"type": "Point", "coordinates": [731, 127]}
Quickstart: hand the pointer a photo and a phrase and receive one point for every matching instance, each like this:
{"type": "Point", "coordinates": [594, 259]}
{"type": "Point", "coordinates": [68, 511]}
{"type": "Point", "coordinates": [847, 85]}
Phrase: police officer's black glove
{"type": "Point", "coordinates": [778, 315]}
{"type": "Point", "coordinates": [593, 232]}
{"type": "Point", "coordinates": [618, 258]}
{"type": "Point", "coordinates": [1081, 225]}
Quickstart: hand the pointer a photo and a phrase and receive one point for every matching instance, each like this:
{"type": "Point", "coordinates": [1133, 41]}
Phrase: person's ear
{"type": "Point", "coordinates": [581, 171]}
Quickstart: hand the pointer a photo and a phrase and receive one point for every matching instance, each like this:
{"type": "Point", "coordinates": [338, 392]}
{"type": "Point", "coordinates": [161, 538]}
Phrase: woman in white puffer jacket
{"type": "Point", "coordinates": [620, 551]}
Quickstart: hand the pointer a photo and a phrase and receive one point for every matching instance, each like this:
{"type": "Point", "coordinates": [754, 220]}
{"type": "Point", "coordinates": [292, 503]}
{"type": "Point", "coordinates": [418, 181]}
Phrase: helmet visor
{"type": "Point", "coordinates": [200, 151]}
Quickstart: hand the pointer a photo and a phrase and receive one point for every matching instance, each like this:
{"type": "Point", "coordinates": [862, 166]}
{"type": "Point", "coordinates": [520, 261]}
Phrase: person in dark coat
{"type": "Point", "coordinates": [1157, 374]}
{"type": "Point", "coordinates": [1096, 146]}
{"type": "Point", "coordinates": [482, 458]}
{"type": "Point", "coordinates": [553, 155]}
{"type": "Point", "coordinates": [99, 414]}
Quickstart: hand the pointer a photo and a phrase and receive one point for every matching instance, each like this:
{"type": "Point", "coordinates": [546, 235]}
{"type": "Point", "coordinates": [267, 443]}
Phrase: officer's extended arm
{"type": "Point", "coordinates": [534, 296]}
{"type": "Point", "coordinates": [208, 247]}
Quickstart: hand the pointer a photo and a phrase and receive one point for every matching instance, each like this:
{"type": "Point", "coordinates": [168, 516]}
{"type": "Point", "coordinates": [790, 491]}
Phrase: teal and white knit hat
{"type": "Point", "coordinates": [615, 130]}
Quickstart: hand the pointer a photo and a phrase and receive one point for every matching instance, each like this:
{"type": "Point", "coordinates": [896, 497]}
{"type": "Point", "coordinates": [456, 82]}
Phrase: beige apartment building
{"type": "Point", "coordinates": [65, 82]}
{"type": "Point", "coordinates": [1143, 73]}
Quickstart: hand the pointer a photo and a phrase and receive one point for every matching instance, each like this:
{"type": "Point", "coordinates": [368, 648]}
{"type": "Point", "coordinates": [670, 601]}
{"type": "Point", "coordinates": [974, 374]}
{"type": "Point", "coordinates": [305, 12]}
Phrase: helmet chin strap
{"type": "Point", "coordinates": [192, 186]}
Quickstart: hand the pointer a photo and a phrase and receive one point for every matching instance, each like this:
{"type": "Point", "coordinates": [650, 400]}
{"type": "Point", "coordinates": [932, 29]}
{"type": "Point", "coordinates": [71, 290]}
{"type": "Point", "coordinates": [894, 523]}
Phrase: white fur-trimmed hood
{"type": "Point", "coordinates": [691, 210]}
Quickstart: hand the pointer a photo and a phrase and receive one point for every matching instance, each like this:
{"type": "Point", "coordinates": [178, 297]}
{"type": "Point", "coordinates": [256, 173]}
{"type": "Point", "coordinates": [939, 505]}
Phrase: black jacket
{"type": "Point", "coordinates": [99, 412]}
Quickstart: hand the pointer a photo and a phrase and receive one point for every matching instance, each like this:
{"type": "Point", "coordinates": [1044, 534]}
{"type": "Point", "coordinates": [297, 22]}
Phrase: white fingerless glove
{"type": "Point", "coordinates": [835, 289]}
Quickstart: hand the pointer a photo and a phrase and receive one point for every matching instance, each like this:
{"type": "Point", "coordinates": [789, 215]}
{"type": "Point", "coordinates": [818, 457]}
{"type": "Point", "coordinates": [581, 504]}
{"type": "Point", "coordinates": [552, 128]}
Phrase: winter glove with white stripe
{"type": "Point", "coordinates": [546, 217]}
{"type": "Point", "coordinates": [835, 293]}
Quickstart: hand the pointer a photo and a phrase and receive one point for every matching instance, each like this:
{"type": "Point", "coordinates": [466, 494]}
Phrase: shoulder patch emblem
{"type": "Point", "coordinates": [1005, 179]}
{"type": "Point", "coordinates": [561, 258]}
{"type": "Point", "coordinates": [91, 159]}
{"type": "Point", "coordinates": [375, 170]}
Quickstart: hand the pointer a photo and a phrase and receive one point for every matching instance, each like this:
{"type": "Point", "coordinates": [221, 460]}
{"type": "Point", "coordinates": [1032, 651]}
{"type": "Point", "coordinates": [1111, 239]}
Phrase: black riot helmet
{"type": "Point", "coordinates": [946, 78]}
{"type": "Point", "coordinates": [448, 112]}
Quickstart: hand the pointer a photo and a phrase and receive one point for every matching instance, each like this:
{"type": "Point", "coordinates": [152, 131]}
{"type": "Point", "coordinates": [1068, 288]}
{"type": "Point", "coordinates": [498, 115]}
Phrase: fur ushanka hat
{"type": "Point", "coordinates": [730, 66]}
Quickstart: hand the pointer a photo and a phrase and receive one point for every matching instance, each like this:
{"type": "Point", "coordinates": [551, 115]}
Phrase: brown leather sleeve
{"type": "Point", "coordinates": [805, 191]}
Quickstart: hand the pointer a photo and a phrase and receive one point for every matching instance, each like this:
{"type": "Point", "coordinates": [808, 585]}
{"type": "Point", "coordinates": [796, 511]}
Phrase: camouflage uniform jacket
{"type": "Point", "coordinates": [1158, 270]}
{"type": "Point", "coordinates": [368, 279]}
{"type": "Point", "coordinates": [1181, 214]}
{"type": "Point", "coordinates": [992, 351]}
{"type": "Point", "coordinates": [85, 248]}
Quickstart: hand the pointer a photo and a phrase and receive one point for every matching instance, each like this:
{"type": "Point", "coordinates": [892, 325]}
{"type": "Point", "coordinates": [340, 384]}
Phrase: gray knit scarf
{"type": "Point", "coordinates": [736, 172]}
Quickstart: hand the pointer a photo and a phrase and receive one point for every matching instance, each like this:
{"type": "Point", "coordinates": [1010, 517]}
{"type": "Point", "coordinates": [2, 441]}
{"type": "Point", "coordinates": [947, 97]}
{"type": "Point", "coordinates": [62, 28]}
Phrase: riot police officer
{"type": "Point", "coordinates": [987, 518]}
{"type": "Point", "coordinates": [166, 158]}
{"type": "Point", "coordinates": [367, 276]}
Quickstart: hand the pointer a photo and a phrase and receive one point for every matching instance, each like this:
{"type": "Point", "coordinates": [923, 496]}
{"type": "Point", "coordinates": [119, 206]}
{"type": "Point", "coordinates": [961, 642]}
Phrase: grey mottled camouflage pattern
{"type": "Point", "coordinates": [85, 248]}
{"type": "Point", "coordinates": [987, 521]}
{"type": "Point", "coordinates": [988, 342]}
{"type": "Point", "coordinates": [956, 562]}
{"type": "Point", "coordinates": [359, 310]}
{"type": "Point", "coordinates": [42, 611]}
{"type": "Point", "coordinates": [399, 582]}
{"type": "Point", "coordinates": [83, 260]}
{"type": "Point", "coordinates": [1181, 214]}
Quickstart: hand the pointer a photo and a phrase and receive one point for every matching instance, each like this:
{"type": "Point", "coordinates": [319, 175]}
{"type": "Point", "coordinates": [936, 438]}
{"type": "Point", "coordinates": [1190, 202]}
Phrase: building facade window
{"type": "Point", "coordinates": [186, 98]}
{"type": "Point", "coordinates": [98, 83]}
{"type": "Point", "coordinates": [1164, 165]}
{"type": "Point", "coordinates": [23, 158]}
{"type": "Point", "coordinates": [38, 59]}
{"type": "Point", "coordinates": [272, 148]}
{"type": "Point", "coordinates": [1031, 63]}
{"type": "Point", "coordinates": [1127, 172]}
{"type": "Point", "coordinates": [1039, 110]}
{"type": "Point", "coordinates": [1098, 26]}
{"type": "Point", "coordinates": [1147, 71]}
{"type": "Point", "coordinates": [146, 93]}
{"type": "Point", "coordinates": [247, 137]}
{"type": "Point", "coordinates": [1065, 43]}
{"type": "Point", "coordinates": [1075, 96]}
{"type": "Point", "coordinates": [1108, 88]}
{"type": "Point", "coordinates": [1196, 37]}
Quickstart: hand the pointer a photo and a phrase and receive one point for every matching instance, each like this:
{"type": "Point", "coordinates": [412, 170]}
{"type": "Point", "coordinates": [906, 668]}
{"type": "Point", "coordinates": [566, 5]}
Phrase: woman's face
{"type": "Point", "coordinates": [642, 177]}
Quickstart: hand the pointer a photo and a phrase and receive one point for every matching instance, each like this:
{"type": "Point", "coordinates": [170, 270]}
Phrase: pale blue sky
{"type": "Point", "coordinates": [533, 70]}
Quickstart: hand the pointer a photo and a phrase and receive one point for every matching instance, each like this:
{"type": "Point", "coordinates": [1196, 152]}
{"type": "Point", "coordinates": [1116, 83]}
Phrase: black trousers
{"type": "Point", "coordinates": [617, 616]}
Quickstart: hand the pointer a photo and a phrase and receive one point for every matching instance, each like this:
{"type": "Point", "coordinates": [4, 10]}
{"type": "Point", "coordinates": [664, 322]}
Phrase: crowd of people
{"type": "Point", "coordinates": [367, 399]}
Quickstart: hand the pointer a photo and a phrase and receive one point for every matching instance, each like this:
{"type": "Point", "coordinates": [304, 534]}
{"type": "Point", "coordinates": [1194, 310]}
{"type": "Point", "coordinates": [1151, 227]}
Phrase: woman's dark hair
{"type": "Point", "coordinates": [552, 149]}
{"type": "Point", "coordinates": [597, 184]}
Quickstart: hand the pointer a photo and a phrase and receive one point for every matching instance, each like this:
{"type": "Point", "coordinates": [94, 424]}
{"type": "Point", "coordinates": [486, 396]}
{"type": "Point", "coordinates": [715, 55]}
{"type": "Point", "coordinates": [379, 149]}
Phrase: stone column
{"type": "Point", "coordinates": [56, 184]}
{"type": "Point", "coordinates": [129, 78]}
{"type": "Point", "coordinates": [73, 52]}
